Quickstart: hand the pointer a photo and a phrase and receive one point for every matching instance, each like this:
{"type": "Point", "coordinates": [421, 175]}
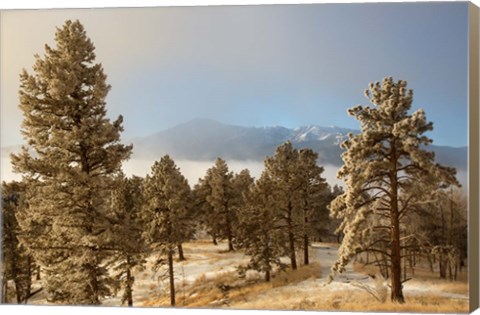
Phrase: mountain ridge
{"type": "Point", "coordinates": [205, 139]}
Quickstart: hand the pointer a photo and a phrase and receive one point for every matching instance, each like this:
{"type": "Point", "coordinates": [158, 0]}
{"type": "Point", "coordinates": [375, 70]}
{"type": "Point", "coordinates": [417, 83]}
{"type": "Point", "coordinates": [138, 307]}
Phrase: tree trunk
{"type": "Point", "coordinates": [395, 248]}
{"type": "Point", "coordinates": [305, 250]}
{"type": "Point", "coordinates": [267, 276]}
{"type": "Point", "coordinates": [5, 291]}
{"type": "Point", "coordinates": [18, 291]}
{"type": "Point", "coordinates": [181, 257]}
{"type": "Point", "coordinates": [38, 273]}
{"type": "Point", "coordinates": [128, 288]}
{"type": "Point", "coordinates": [305, 239]}
{"type": "Point", "coordinates": [430, 262]}
{"type": "Point", "coordinates": [291, 237]}
{"type": "Point", "coordinates": [229, 234]}
{"type": "Point", "coordinates": [93, 281]}
{"type": "Point", "coordinates": [230, 243]}
{"type": "Point", "coordinates": [170, 273]}
{"type": "Point", "coordinates": [28, 290]}
{"type": "Point", "coordinates": [442, 268]}
{"type": "Point", "coordinates": [214, 239]}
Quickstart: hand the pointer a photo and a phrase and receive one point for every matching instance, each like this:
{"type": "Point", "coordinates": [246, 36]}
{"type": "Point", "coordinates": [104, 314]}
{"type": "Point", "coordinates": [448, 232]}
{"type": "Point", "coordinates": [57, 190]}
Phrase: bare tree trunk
{"type": "Point", "coordinates": [305, 250]}
{"type": "Point", "coordinates": [128, 288]}
{"type": "Point", "coordinates": [442, 266]}
{"type": "Point", "coordinates": [395, 249]}
{"type": "Point", "coordinates": [305, 239]}
{"type": "Point", "coordinates": [430, 262]}
{"type": "Point", "coordinates": [170, 273]}
{"type": "Point", "coordinates": [267, 276]}
{"type": "Point", "coordinates": [5, 291]}
{"type": "Point", "coordinates": [214, 239]}
{"type": "Point", "coordinates": [291, 237]}
{"type": "Point", "coordinates": [181, 257]}
{"type": "Point", "coordinates": [38, 273]}
{"type": "Point", "coordinates": [229, 235]}
{"type": "Point", "coordinates": [412, 262]}
{"type": "Point", "coordinates": [18, 292]}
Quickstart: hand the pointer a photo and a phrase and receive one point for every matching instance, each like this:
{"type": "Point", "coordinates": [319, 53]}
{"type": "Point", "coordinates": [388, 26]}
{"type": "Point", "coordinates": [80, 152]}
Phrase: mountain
{"type": "Point", "coordinates": [204, 139]}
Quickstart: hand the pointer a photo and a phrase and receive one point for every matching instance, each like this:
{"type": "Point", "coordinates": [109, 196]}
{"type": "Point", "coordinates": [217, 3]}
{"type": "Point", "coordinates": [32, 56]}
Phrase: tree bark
{"type": "Point", "coordinates": [267, 276]}
{"type": "Point", "coordinates": [395, 248]}
{"type": "Point", "coordinates": [305, 241]}
{"type": "Point", "coordinates": [5, 291]}
{"type": "Point", "coordinates": [291, 237]}
{"type": "Point", "coordinates": [442, 268]}
{"type": "Point", "coordinates": [170, 273]}
{"type": "Point", "coordinates": [229, 234]}
{"type": "Point", "coordinates": [181, 257]}
{"type": "Point", "coordinates": [129, 284]}
{"type": "Point", "coordinates": [305, 250]}
{"type": "Point", "coordinates": [38, 274]}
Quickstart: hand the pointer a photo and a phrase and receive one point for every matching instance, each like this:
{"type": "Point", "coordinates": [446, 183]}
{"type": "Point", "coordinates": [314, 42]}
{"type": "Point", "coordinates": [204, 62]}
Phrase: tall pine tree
{"type": "Point", "coordinates": [388, 172]}
{"type": "Point", "coordinates": [221, 199]}
{"type": "Point", "coordinates": [167, 202]}
{"type": "Point", "coordinates": [73, 150]}
{"type": "Point", "coordinates": [282, 169]}
{"type": "Point", "coordinates": [259, 231]}
{"type": "Point", "coordinates": [130, 248]}
{"type": "Point", "coordinates": [314, 193]}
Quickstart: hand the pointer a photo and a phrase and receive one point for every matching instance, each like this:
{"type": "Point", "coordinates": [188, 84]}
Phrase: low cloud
{"type": "Point", "coordinates": [193, 170]}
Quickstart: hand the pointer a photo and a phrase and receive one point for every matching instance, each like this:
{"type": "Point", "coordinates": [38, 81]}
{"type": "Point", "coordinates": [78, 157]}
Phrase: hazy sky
{"type": "Point", "coordinates": [287, 65]}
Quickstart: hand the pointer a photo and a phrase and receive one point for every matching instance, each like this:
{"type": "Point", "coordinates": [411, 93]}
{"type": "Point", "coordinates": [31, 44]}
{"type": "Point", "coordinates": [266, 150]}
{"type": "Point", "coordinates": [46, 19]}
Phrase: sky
{"type": "Point", "coordinates": [288, 65]}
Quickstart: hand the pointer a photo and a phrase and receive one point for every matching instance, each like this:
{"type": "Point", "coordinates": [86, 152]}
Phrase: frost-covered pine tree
{"type": "Point", "coordinates": [388, 173]}
{"type": "Point", "coordinates": [221, 199]}
{"type": "Point", "coordinates": [167, 201]}
{"type": "Point", "coordinates": [259, 231]}
{"type": "Point", "coordinates": [282, 169]}
{"type": "Point", "coordinates": [241, 183]}
{"type": "Point", "coordinates": [203, 211]}
{"type": "Point", "coordinates": [128, 244]}
{"type": "Point", "coordinates": [73, 150]}
{"type": "Point", "coordinates": [17, 263]}
{"type": "Point", "coordinates": [313, 193]}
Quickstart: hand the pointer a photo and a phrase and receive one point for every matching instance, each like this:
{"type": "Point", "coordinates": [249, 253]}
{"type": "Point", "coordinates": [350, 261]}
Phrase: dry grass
{"type": "Point", "coordinates": [302, 290]}
{"type": "Point", "coordinates": [359, 301]}
{"type": "Point", "coordinates": [226, 288]}
{"type": "Point", "coordinates": [424, 276]}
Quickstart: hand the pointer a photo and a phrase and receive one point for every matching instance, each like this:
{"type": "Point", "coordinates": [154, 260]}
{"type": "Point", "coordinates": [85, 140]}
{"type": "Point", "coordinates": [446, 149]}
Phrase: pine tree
{"type": "Point", "coordinates": [167, 201]}
{"type": "Point", "coordinates": [241, 184]}
{"type": "Point", "coordinates": [221, 199]}
{"type": "Point", "coordinates": [73, 149]}
{"type": "Point", "coordinates": [130, 248]}
{"type": "Point", "coordinates": [314, 192]}
{"type": "Point", "coordinates": [259, 231]}
{"type": "Point", "coordinates": [203, 211]}
{"type": "Point", "coordinates": [388, 172]}
{"type": "Point", "coordinates": [17, 263]}
{"type": "Point", "coordinates": [282, 169]}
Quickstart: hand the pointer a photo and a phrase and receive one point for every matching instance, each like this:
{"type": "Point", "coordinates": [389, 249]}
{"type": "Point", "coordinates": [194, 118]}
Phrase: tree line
{"type": "Point", "coordinates": [80, 224]}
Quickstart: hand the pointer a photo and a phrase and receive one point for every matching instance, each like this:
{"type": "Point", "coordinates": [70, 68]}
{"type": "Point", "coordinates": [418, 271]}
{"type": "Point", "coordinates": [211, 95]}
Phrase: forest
{"type": "Point", "coordinates": [76, 230]}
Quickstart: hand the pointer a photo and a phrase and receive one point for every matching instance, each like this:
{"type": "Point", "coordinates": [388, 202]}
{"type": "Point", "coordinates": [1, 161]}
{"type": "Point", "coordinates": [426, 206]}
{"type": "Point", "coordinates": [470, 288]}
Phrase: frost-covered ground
{"type": "Point", "coordinates": [205, 263]}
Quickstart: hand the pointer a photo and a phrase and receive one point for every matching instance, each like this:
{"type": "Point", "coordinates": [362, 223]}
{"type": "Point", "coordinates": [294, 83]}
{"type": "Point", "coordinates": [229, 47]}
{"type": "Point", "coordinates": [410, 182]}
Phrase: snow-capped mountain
{"type": "Point", "coordinates": [317, 133]}
{"type": "Point", "coordinates": [204, 139]}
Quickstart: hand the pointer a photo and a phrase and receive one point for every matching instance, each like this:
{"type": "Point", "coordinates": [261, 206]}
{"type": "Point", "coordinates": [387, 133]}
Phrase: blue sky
{"type": "Point", "coordinates": [286, 65]}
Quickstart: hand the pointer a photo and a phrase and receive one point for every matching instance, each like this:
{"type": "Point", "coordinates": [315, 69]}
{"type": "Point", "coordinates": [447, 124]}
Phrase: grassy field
{"type": "Point", "coordinates": [209, 279]}
{"type": "Point", "coordinates": [212, 282]}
